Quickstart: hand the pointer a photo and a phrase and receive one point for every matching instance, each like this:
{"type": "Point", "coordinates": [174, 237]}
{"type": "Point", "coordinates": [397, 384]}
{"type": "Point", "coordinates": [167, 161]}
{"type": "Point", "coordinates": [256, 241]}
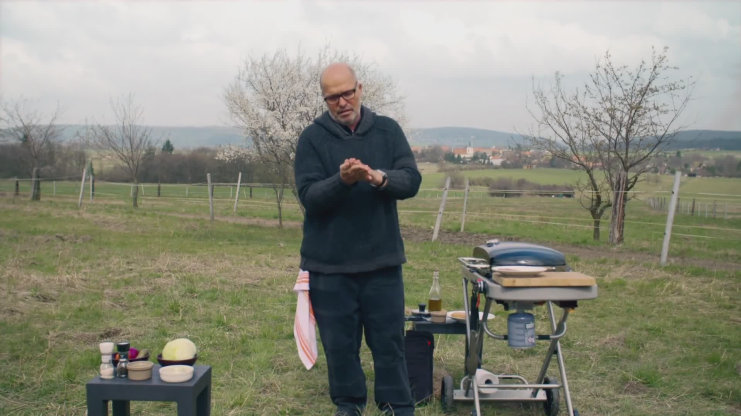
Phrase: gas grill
{"type": "Point", "coordinates": [509, 253]}
{"type": "Point", "coordinates": [554, 283]}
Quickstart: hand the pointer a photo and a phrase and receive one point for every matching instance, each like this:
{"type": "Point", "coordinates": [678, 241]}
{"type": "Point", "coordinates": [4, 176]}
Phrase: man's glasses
{"type": "Point", "coordinates": [335, 98]}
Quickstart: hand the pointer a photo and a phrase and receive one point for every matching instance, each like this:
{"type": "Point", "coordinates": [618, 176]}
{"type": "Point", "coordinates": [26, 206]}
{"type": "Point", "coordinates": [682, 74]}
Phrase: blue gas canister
{"type": "Point", "coordinates": [521, 330]}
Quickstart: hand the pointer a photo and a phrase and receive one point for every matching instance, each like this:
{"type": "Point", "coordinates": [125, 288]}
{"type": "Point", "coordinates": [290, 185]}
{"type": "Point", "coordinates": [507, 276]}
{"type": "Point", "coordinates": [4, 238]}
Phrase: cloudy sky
{"type": "Point", "coordinates": [458, 63]}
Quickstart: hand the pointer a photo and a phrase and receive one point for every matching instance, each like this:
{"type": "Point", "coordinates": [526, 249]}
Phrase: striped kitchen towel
{"type": "Point", "coordinates": [304, 325]}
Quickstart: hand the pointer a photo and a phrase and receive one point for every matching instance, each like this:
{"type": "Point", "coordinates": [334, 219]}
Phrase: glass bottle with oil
{"type": "Point", "coordinates": [435, 301]}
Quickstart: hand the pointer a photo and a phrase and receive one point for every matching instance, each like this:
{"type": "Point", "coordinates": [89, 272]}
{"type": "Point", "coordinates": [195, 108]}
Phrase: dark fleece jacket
{"type": "Point", "coordinates": [355, 228]}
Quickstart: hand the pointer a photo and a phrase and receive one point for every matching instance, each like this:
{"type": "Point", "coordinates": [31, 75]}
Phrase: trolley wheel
{"type": "Point", "coordinates": [551, 404]}
{"type": "Point", "coordinates": [446, 394]}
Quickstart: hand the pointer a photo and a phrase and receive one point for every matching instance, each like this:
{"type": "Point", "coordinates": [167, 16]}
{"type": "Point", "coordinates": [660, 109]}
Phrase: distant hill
{"type": "Point", "coordinates": [181, 137]}
{"type": "Point", "coordinates": [192, 137]}
{"type": "Point", "coordinates": [707, 140]}
{"type": "Point", "coordinates": [462, 136]}
{"type": "Point", "coordinates": [214, 136]}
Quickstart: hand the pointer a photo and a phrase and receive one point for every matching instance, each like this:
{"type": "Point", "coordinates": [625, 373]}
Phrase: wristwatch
{"type": "Point", "coordinates": [384, 180]}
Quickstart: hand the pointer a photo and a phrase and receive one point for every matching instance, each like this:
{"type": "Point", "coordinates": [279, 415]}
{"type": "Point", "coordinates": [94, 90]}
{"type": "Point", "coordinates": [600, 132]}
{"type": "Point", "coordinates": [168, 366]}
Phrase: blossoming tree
{"type": "Point", "coordinates": [274, 97]}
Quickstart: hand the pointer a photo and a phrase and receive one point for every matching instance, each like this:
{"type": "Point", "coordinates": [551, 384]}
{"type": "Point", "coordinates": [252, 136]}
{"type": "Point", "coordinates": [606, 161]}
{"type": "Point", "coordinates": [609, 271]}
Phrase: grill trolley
{"type": "Point", "coordinates": [557, 286]}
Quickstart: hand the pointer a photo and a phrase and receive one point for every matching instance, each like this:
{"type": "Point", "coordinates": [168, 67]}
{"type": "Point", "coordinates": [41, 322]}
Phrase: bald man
{"type": "Point", "coordinates": [351, 167]}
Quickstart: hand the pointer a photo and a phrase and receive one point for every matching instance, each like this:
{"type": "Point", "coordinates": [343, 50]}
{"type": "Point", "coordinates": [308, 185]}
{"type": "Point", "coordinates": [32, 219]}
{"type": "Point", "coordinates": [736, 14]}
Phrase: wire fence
{"type": "Point", "coordinates": [708, 216]}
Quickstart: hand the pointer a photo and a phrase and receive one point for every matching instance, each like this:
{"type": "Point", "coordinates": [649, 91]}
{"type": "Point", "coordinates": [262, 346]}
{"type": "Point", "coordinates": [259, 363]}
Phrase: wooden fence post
{"type": "Point", "coordinates": [617, 218]}
{"type": "Point", "coordinates": [442, 209]}
{"type": "Point", "coordinates": [17, 187]}
{"type": "Point", "coordinates": [82, 187]}
{"type": "Point", "coordinates": [670, 218]}
{"type": "Point", "coordinates": [465, 202]}
{"type": "Point", "coordinates": [236, 197]}
{"type": "Point", "coordinates": [210, 196]}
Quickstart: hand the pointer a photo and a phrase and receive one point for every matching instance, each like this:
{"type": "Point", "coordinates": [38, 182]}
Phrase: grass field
{"type": "Point", "coordinates": [657, 340]}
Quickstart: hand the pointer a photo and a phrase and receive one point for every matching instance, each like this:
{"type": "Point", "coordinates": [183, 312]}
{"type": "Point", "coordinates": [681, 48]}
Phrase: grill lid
{"type": "Point", "coordinates": [519, 254]}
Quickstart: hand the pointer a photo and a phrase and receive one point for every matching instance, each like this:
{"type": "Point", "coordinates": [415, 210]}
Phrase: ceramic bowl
{"type": "Point", "coordinates": [176, 373]}
{"type": "Point", "coordinates": [165, 363]}
{"type": "Point", "coordinates": [439, 317]}
{"type": "Point", "coordinates": [140, 370]}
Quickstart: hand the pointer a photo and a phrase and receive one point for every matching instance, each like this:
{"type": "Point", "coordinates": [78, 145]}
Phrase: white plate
{"type": "Point", "coordinates": [520, 271]}
{"type": "Point", "coordinates": [460, 316]}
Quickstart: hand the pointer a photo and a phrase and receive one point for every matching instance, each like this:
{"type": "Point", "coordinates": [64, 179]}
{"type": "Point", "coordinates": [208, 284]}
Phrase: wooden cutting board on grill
{"type": "Point", "coordinates": [545, 279]}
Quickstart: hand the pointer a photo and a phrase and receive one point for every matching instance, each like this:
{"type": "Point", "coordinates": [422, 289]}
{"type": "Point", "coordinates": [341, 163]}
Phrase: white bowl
{"type": "Point", "coordinates": [176, 373]}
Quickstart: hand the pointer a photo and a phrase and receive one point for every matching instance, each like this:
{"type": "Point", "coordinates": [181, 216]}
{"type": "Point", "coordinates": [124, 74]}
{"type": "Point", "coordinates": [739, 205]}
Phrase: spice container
{"type": "Point", "coordinates": [106, 356]}
{"type": "Point", "coordinates": [106, 367]}
{"type": "Point", "coordinates": [122, 368]}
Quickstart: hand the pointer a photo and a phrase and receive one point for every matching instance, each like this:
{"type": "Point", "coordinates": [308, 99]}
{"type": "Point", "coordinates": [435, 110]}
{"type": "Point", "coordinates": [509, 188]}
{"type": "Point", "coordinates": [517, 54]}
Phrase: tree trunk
{"type": "Point", "coordinates": [35, 186]}
{"type": "Point", "coordinates": [279, 200]}
{"type": "Point", "coordinates": [135, 195]}
{"type": "Point", "coordinates": [617, 220]}
{"type": "Point", "coordinates": [595, 228]}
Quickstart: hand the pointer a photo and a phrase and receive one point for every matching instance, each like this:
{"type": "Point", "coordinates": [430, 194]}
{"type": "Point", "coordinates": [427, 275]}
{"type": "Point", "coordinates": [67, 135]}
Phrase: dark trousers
{"type": "Point", "coordinates": [348, 305]}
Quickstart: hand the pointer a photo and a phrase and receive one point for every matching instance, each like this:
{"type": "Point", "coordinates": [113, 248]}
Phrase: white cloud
{"type": "Point", "coordinates": [462, 63]}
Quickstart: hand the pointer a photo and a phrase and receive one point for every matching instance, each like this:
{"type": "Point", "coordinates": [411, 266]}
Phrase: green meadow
{"type": "Point", "coordinates": [657, 341]}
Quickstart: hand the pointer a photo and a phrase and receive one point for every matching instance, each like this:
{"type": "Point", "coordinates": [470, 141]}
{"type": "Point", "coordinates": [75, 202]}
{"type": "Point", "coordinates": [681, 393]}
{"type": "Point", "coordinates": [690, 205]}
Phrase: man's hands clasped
{"type": "Point", "coordinates": [353, 170]}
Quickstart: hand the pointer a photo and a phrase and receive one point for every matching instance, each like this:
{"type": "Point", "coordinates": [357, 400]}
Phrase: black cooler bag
{"type": "Point", "coordinates": [419, 346]}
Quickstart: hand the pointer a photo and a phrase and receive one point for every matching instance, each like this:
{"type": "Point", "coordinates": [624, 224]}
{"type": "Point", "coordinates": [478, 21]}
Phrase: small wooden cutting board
{"type": "Point", "coordinates": [546, 279]}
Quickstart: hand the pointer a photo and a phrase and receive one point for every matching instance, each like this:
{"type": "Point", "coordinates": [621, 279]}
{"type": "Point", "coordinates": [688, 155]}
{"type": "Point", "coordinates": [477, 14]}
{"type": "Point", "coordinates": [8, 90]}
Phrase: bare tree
{"type": "Point", "coordinates": [619, 120]}
{"type": "Point", "coordinates": [274, 97]}
{"type": "Point", "coordinates": [569, 137]}
{"type": "Point", "coordinates": [36, 133]}
{"type": "Point", "coordinates": [127, 139]}
{"type": "Point", "coordinates": [635, 113]}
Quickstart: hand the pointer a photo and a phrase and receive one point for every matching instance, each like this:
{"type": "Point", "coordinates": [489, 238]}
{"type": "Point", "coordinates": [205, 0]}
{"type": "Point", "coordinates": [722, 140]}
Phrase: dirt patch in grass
{"type": "Point", "coordinates": [111, 333]}
{"type": "Point", "coordinates": [612, 341]}
{"type": "Point", "coordinates": [635, 388]}
{"type": "Point", "coordinates": [70, 238]}
{"type": "Point", "coordinates": [262, 222]}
